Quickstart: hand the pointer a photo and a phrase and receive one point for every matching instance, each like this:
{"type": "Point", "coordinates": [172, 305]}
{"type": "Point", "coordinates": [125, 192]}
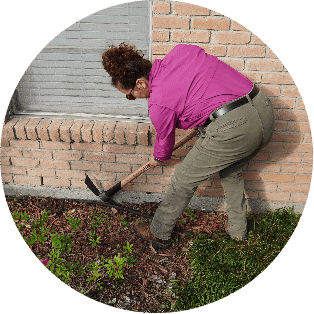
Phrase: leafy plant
{"type": "Point", "coordinates": [37, 237]}
{"type": "Point", "coordinates": [61, 242]}
{"type": "Point", "coordinates": [98, 218]}
{"type": "Point", "coordinates": [38, 223]}
{"type": "Point", "coordinates": [124, 223]}
{"type": "Point", "coordinates": [115, 267]}
{"type": "Point", "coordinates": [93, 240]}
{"type": "Point", "coordinates": [75, 223]}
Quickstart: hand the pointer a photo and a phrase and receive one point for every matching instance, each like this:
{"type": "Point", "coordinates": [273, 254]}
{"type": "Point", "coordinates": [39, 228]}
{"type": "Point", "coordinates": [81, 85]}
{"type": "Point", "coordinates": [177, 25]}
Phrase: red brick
{"type": "Point", "coordinates": [274, 147]}
{"type": "Point", "coordinates": [5, 161]}
{"type": "Point", "coordinates": [277, 78]}
{"type": "Point", "coordinates": [95, 147]}
{"type": "Point", "coordinates": [210, 192]}
{"type": "Point", "coordinates": [55, 164]}
{"type": "Point", "coordinates": [140, 179]}
{"type": "Point", "coordinates": [299, 127]}
{"type": "Point", "coordinates": [71, 174]}
{"type": "Point", "coordinates": [54, 145]}
{"type": "Point", "coordinates": [303, 178]}
{"type": "Point", "coordinates": [116, 168]}
{"type": "Point", "coordinates": [300, 104]}
{"type": "Point", "coordinates": [171, 22]}
{"type": "Point", "coordinates": [78, 184]}
{"type": "Point", "coordinates": [217, 51]}
{"type": "Point", "coordinates": [256, 41]}
{"type": "Point", "coordinates": [308, 159]}
{"type": "Point", "coordinates": [261, 186]}
{"type": "Point", "coordinates": [87, 131]}
{"type": "Point", "coordinates": [290, 91]}
{"type": "Point", "coordinates": [118, 149]}
{"type": "Point", "coordinates": [159, 179]}
{"type": "Point", "coordinates": [161, 7]}
{"type": "Point", "coordinates": [39, 172]}
{"type": "Point", "coordinates": [261, 156]}
{"type": "Point", "coordinates": [11, 152]}
{"type": "Point", "coordinates": [278, 177]}
{"type": "Point", "coordinates": [109, 131]}
{"type": "Point", "coordinates": [276, 196]}
{"type": "Point", "coordinates": [264, 65]}
{"type": "Point", "coordinates": [13, 170]}
{"type": "Point", "coordinates": [237, 27]}
{"type": "Point", "coordinates": [283, 157]}
{"type": "Point", "coordinates": [287, 137]}
{"type": "Point", "coordinates": [8, 129]}
{"type": "Point", "coordinates": [299, 148]}
{"type": "Point", "coordinates": [299, 198]}
{"type": "Point", "coordinates": [294, 188]}
{"type": "Point", "coordinates": [293, 115]}
{"type": "Point", "coordinates": [65, 130]}
{"type": "Point", "coordinates": [251, 195]}
{"type": "Point", "coordinates": [297, 168]}
{"type": "Point", "coordinates": [190, 36]}
{"type": "Point", "coordinates": [181, 151]}
{"type": "Point", "coordinates": [55, 182]}
{"type": "Point", "coordinates": [189, 9]}
{"type": "Point", "coordinates": [120, 132]}
{"type": "Point", "coordinates": [162, 49]}
{"type": "Point", "coordinates": [211, 23]}
{"type": "Point", "coordinates": [5, 142]}
{"type": "Point", "coordinates": [270, 54]}
{"type": "Point", "coordinates": [152, 188]}
{"type": "Point", "coordinates": [42, 129]}
{"type": "Point", "coordinates": [6, 178]}
{"type": "Point", "coordinates": [100, 157]}
{"type": "Point", "coordinates": [132, 160]}
{"type": "Point", "coordinates": [237, 64]}
{"type": "Point", "coordinates": [283, 103]}
{"type": "Point", "coordinates": [97, 131]}
{"type": "Point", "coordinates": [144, 150]}
{"type": "Point", "coordinates": [143, 133]}
{"type": "Point", "coordinates": [84, 165]}
{"type": "Point", "coordinates": [19, 128]}
{"type": "Point", "coordinates": [75, 131]}
{"type": "Point", "coordinates": [281, 126]}
{"type": "Point", "coordinates": [40, 154]}
{"type": "Point", "coordinates": [54, 130]}
{"type": "Point", "coordinates": [31, 131]}
{"type": "Point", "coordinates": [233, 38]}
{"type": "Point", "coordinates": [262, 166]}
{"type": "Point", "coordinates": [67, 155]}
{"type": "Point", "coordinates": [246, 51]}
{"type": "Point", "coordinates": [252, 76]}
{"type": "Point", "coordinates": [160, 35]}
{"type": "Point", "coordinates": [104, 176]}
{"type": "Point", "coordinates": [26, 180]}
{"type": "Point", "coordinates": [270, 91]}
{"type": "Point", "coordinates": [25, 162]}
{"type": "Point", "coordinates": [131, 133]}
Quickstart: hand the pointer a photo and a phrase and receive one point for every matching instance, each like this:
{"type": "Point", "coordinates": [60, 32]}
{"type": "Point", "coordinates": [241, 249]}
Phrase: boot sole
{"type": "Point", "coordinates": [157, 245]}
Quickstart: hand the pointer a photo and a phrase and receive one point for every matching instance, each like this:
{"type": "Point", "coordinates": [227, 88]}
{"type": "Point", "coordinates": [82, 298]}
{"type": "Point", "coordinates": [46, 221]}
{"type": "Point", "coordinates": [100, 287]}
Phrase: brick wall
{"type": "Point", "coordinates": [50, 153]}
{"type": "Point", "coordinates": [282, 171]}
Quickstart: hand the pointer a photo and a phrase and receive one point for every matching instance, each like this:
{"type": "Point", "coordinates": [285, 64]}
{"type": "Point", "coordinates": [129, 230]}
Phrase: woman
{"type": "Point", "coordinates": [189, 89]}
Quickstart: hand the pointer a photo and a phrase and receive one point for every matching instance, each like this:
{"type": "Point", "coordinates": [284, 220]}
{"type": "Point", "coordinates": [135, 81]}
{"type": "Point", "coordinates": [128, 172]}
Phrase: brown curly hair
{"type": "Point", "coordinates": [125, 64]}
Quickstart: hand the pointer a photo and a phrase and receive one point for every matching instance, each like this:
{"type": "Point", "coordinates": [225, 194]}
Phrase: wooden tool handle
{"type": "Point", "coordinates": [145, 167]}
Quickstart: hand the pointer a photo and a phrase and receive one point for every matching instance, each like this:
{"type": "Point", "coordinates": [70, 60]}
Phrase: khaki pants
{"type": "Point", "coordinates": [224, 146]}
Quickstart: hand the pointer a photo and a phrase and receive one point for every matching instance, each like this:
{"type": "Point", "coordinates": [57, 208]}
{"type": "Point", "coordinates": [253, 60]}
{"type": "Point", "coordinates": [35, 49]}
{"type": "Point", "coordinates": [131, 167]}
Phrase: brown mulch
{"type": "Point", "coordinates": [145, 285]}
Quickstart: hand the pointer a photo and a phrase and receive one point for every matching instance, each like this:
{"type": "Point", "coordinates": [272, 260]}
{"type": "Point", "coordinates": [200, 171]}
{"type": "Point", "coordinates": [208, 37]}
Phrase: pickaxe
{"type": "Point", "coordinates": [106, 196]}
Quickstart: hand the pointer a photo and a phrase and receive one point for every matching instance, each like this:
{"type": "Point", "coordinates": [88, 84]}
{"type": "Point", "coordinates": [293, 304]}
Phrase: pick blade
{"type": "Point", "coordinates": [91, 185]}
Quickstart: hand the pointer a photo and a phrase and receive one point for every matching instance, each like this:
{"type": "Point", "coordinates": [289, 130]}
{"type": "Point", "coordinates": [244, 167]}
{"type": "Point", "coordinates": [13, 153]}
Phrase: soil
{"type": "Point", "coordinates": [145, 285]}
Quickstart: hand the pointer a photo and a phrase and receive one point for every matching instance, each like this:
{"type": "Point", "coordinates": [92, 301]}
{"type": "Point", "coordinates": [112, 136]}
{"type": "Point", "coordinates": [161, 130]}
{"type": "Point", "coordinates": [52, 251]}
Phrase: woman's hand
{"type": "Point", "coordinates": [153, 162]}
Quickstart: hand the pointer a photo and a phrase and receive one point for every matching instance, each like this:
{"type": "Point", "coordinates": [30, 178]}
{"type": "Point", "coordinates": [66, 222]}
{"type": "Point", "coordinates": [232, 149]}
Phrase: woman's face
{"type": "Point", "coordinates": [141, 90]}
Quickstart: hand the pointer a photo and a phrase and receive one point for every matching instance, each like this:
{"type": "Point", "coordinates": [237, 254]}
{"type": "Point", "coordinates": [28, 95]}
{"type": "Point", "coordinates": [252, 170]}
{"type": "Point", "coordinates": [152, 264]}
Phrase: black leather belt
{"type": "Point", "coordinates": [235, 104]}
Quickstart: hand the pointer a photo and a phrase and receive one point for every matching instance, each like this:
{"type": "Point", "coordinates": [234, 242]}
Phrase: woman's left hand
{"type": "Point", "coordinates": [153, 162]}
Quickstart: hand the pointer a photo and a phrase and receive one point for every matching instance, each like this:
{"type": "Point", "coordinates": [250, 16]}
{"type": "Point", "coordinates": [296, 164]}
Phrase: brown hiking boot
{"type": "Point", "coordinates": [142, 230]}
{"type": "Point", "coordinates": [234, 237]}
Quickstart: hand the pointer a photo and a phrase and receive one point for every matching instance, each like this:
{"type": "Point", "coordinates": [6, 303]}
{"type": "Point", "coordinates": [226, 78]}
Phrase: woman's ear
{"type": "Point", "coordinates": [141, 83]}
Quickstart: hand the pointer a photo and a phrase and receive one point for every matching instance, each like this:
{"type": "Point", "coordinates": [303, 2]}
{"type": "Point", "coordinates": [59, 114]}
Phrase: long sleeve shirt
{"type": "Point", "coordinates": [185, 88]}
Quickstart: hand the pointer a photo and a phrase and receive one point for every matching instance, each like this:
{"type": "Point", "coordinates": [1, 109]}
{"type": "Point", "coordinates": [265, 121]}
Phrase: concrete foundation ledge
{"type": "Point", "coordinates": [214, 204]}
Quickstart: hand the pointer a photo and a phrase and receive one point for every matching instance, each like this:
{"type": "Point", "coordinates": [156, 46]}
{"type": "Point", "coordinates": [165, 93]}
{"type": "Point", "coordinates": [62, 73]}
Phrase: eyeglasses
{"type": "Point", "coordinates": [130, 96]}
